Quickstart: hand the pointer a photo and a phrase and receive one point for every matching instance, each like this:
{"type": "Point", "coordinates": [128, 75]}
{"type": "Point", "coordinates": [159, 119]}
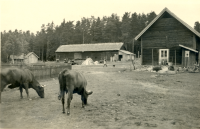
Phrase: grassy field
{"type": "Point", "coordinates": [121, 99]}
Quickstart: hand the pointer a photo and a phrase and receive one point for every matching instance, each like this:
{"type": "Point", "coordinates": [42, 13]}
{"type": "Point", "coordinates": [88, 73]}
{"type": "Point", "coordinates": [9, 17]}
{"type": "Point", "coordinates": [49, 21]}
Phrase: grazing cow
{"type": "Point", "coordinates": [22, 78]}
{"type": "Point", "coordinates": [72, 82]}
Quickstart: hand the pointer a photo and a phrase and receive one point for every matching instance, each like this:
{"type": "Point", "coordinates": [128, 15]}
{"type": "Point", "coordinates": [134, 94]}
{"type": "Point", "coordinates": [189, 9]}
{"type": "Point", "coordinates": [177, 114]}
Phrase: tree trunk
{"type": "Point", "coordinates": [7, 58]}
{"type": "Point", "coordinates": [39, 53]}
{"type": "Point", "coordinates": [83, 37]}
{"type": "Point", "coordinates": [47, 50]}
{"type": "Point", "coordinates": [13, 58]}
{"type": "Point", "coordinates": [133, 46]}
{"type": "Point", "coordinates": [42, 53]}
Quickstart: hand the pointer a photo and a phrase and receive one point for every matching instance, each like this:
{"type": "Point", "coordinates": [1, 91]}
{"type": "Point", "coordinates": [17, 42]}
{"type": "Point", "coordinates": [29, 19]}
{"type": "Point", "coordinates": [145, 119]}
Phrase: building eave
{"type": "Point", "coordinates": [188, 48]}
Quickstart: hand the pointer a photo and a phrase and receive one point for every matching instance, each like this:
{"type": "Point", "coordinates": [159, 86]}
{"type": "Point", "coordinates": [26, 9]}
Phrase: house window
{"type": "Point", "coordinates": [165, 53]}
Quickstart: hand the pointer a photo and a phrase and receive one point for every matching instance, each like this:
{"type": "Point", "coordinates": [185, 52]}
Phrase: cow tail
{"type": "Point", "coordinates": [62, 82]}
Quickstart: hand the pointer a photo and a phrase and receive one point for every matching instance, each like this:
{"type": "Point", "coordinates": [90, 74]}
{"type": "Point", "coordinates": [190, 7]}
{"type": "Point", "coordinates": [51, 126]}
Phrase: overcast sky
{"type": "Point", "coordinates": [31, 14]}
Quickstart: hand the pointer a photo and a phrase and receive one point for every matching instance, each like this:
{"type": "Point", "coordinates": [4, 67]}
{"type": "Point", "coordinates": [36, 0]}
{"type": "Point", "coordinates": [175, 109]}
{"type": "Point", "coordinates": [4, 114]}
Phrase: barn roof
{"type": "Point", "coordinates": [30, 54]}
{"type": "Point", "coordinates": [90, 47]}
{"type": "Point", "coordinates": [158, 16]}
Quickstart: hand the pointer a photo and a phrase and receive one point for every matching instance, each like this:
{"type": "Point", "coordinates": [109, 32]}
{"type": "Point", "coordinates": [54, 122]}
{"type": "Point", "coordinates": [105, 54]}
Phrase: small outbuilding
{"type": "Point", "coordinates": [168, 39]}
{"type": "Point", "coordinates": [17, 58]}
{"type": "Point", "coordinates": [98, 51]}
{"type": "Point", "coordinates": [31, 57]}
{"type": "Point", "coordinates": [125, 55]}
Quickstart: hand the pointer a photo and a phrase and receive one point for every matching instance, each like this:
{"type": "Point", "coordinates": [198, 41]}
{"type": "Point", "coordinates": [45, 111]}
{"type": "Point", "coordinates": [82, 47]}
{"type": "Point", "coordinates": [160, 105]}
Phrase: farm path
{"type": "Point", "coordinates": [121, 99]}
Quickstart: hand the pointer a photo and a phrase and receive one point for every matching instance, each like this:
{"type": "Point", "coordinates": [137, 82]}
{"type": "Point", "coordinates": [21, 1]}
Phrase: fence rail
{"type": "Point", "coordinates": [42, 72]}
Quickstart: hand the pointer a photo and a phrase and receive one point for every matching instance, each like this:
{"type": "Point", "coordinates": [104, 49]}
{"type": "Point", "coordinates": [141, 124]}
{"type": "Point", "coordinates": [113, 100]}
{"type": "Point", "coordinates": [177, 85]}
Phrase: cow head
{"type": "Point", "coordinates": [40, 91]}
{"type": "Point", "coordinates": [84, 97]}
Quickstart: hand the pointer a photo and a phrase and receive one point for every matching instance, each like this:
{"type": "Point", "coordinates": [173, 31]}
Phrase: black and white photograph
{"type": "Point", "coordinates": [100, 64]}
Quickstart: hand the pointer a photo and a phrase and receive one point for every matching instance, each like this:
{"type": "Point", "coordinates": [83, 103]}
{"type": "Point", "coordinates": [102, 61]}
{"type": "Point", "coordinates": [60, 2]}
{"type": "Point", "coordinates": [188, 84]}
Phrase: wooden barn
{"type": "Point", "coordinates": [31, 57]}
{"type": "Point", "coordinates": [98, 51]}
{"type": "Point", "coordinates": [169, 39]}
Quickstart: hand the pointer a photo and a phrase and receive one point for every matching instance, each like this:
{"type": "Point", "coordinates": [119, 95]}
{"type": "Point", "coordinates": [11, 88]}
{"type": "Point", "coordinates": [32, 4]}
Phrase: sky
{"type": "Point", "coordinates": [31, 14]}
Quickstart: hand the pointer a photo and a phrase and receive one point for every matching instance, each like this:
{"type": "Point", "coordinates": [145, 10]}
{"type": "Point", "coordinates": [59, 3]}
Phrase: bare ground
{"type": "Point", "coordinates": [121, 99]}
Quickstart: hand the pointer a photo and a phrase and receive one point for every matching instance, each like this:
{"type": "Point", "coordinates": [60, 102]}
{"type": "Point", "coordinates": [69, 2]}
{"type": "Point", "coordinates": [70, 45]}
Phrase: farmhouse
{"type": "Point", "coordinates": [97, 52]}
{"type": "Point", "coordinates": [31, 57]}
{"type": "Point", "coordinates": [169, 39]}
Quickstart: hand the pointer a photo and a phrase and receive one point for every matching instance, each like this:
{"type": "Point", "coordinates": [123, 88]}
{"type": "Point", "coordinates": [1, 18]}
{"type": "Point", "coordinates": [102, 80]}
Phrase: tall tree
{"type": "Point", "coordinates": [197, 26]}
{"type": "Point", "coordinates": [98, 31]}
{"type": "Point", "coordinates": [87, 30]}
{"type": "Point", "coordinates": [78, 33]}
{"type": "Point", "coordinates": [150, 17]}
{"type": "Point", "coordinates": [12, 45]}
{"type": "Point", "coordinates": [85, 25]}
{"type": "Point", "coordinates": [51, 40]}
{"type": "Point", "coordinates": [126, 29]}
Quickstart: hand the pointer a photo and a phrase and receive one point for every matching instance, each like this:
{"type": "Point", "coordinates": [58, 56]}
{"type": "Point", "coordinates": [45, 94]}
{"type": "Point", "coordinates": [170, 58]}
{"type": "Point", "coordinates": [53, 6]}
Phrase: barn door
{"type": "Point", "coordinates": [163, 55]}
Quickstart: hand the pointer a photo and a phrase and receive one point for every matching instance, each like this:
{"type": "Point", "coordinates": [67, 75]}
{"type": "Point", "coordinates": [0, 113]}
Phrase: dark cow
{"type": "Point", "coordinates": [22, 78]}
{"type": "Point", "coordinates": [72, 82]}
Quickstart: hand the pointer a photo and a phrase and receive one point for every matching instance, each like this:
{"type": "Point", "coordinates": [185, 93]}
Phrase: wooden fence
{"type": "Point", "coordinates": [42, 72]}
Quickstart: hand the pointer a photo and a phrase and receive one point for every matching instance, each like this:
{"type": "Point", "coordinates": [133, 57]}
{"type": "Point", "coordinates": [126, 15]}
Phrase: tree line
{"type": "Point", "coordinates": [87, 30]}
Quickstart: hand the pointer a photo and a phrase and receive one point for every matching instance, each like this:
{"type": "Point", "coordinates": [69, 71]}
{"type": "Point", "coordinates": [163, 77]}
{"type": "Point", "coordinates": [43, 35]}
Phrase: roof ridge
{"type": "Point", "coordinates": [92, 43]}
{"type": "Point", "coordinates": [90, 47]}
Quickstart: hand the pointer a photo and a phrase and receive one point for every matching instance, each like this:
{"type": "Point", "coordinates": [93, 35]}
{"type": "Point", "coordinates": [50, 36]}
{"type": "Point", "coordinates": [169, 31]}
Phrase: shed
{"type": "Point", "coordinates": [17, 58]}
{"type": "Point", "coordinates": [189, 56]}
{"type": "Point", "coordinates": [98, 51]}
{"type": "Point", "coordinates": [125, 55]}
{"type": "Point", "coordinates": [31, 57]}
{"type": "Point", "coordinates": [166, 39]}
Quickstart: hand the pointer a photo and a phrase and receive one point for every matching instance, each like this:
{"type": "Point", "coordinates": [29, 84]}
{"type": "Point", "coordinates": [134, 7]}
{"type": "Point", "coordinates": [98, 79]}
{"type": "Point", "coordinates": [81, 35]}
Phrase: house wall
{"type": "Point", "coordinates": [165, 33]}
{"type": "Point", "coordinates": [96, 55]}
{"type": "Point", "coordinates": [197, 43]}
{"type": "Point", "coordinates": [31, 59]}
{"type": "Point", "coordinates": [147, 56]}
{"type": "Point", "coordinates": [198, 48]}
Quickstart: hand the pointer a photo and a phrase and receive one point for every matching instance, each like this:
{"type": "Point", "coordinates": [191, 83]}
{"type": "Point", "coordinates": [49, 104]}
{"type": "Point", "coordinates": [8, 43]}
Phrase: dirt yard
{"type": "Point", "coordinates": [121, 99]}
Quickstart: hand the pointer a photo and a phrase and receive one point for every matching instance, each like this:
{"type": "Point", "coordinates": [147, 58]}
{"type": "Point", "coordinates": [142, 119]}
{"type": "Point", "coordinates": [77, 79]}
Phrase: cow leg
{"type": "Point", "coordinates": [21, 90]}
{"type": "Point", "coordinates": [82, 98]}
{"type": "Point", "coordinates": [26, 88]}
{"type": "Point", "coordinates": [63, 100]}
{"type": "Point", "coordinates": [63, 103]}
{"type": "Point", "coordinates": [0, 96]}
{"type": "Point", "coordinates": [70, 96]}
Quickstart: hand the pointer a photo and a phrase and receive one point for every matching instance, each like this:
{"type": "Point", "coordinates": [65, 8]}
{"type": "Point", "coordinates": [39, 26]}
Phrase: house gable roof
{"type": "Point", "coordinates": [90, 47]}
{"type": "Point", "coordinates": [173, 15]}
{"type": "Point", "coordinates": [30, 54]}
